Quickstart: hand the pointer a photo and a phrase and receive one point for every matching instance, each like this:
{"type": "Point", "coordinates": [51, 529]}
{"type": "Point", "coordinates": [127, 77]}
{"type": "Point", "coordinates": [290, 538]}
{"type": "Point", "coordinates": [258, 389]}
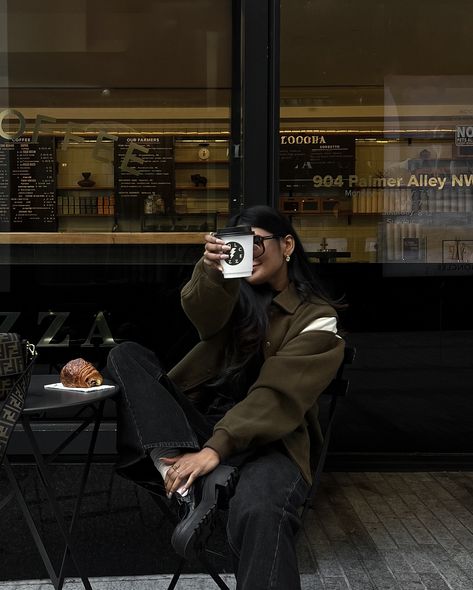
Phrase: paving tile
{"type": "Point", "coordinates": [435, 582]}
{"type": "Point", "coordinates": [368, 531]}
{"type": "Point", "coordinates": [420, 560]}
{"type": "Point", "coordinates": [454, 575]}
{"type": "Point", "coordinates": [312, 582]}
{"type": "Point", "coordinates": [339, 583]}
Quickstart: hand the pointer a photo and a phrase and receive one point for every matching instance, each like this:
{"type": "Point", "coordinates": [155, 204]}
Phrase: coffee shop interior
{"type": "Point", "coordinates": [128, 130]}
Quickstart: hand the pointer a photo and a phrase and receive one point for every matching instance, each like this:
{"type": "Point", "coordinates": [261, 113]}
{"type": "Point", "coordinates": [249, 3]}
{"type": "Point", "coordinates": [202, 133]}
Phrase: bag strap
{"type": "Point", "coordinates": [12, 406]}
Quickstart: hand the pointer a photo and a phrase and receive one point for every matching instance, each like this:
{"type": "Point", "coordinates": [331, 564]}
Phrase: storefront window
{"type": "Point", "coordinates": [376, 160]}
{"type": "Point", "coordinates": [114, 120]}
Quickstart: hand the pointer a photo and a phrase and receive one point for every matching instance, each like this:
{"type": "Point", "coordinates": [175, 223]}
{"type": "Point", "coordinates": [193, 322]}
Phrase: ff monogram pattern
{"type": "Point", "coordinates": [16, 363]}
{"type": "Point", "coordinates": [12, 361]}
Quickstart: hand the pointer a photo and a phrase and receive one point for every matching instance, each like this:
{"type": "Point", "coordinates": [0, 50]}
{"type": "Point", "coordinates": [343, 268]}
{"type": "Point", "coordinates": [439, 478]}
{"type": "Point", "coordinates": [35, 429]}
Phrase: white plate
{"type": "Point", "coordinates": [61, 387]}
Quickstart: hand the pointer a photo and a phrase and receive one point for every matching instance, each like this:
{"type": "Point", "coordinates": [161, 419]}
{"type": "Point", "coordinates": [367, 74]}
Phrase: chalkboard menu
{"type": "Point", "coordinates": [28, 185]}
{"type": "Point", "coordinates": [309, 160]}
{"type": "Point", "coordinates": [144, 173]}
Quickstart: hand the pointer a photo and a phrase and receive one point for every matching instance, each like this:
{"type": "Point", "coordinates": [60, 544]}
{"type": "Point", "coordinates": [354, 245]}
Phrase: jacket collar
{"type": "Point", "coordinates": [288, 300]}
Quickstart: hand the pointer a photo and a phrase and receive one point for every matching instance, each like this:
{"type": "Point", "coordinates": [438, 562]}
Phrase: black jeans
{"type": "Point", "coordinates": [263, 516]}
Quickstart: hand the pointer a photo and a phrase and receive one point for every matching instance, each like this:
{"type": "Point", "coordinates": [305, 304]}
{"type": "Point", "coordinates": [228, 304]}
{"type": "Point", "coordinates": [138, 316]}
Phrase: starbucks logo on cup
{"type": "Point", "coordinates": [236, 254]}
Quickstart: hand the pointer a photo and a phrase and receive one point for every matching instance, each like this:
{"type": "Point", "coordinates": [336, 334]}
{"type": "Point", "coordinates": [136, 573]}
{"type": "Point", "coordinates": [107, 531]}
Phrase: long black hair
{"type": "Point", "coordinates": [299, 269]}
{"type": "Point", "coordinates": [243, 354]}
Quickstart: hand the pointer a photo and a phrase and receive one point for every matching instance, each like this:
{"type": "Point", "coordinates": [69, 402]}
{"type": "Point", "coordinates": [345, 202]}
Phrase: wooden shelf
{"type": "Point", "coordinates": [414, 215]}
{"type": "Point", "coordinates": [102, 237]}
{"type": "Point", "coordinates": [311, 214]}
{"type": "Point", "coordinates": [182, 214]}
{"type": "Point", "coordinates": [99, 215]}
{"type": "Point", "coordinates": [201, 162]}
{"type": "Point", "coordinates": [85, 188]}
{"type": "Point", "coordinates": [202, 188]}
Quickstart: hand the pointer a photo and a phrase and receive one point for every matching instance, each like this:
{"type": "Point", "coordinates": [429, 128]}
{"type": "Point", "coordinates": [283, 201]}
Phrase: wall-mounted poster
{"type": "Point", "coordinates": [28, 185]}
{"type": "Point", "coordinates": [144, 175]}
{"type": "Point", "coordinates": [457, 251]}
{"type": "Point", "coordinates": [309, 161]}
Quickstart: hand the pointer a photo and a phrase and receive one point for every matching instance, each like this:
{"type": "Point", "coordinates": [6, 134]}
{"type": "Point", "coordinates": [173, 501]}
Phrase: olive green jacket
{"type": "Point", "coordinates": [302, 355]}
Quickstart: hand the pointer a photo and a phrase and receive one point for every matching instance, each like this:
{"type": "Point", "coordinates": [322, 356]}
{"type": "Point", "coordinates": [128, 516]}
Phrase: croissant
{"type": "Point", "coordinates": [80, 373]}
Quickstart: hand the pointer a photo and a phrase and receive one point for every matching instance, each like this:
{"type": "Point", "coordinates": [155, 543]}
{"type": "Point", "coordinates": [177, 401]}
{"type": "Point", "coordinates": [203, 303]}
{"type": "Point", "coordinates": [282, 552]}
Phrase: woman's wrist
{"type": "Point", "coordinates": [211, 452]}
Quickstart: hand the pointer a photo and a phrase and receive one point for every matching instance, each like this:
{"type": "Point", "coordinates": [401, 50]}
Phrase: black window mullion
{"type": "Point", "coordinates": [236, 161]}
{"type": "Point", "coordinates": [273, 101]}
{"type": "Point", "coordinates": [255, 103]}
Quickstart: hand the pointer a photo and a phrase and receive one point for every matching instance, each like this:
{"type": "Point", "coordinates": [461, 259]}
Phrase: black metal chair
{"type": "Point", "coordinates": [330, 398]}
{"type": "Point", "coordinates": [338, 388]}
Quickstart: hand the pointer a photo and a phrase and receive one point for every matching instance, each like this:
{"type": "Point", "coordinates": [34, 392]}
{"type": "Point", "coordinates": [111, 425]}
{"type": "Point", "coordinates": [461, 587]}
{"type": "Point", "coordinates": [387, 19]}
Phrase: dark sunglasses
{"type": "Point", "coordinates": [258, 244]}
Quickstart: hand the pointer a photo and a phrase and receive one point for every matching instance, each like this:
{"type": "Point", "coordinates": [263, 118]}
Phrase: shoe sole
{"type": "Point", "coordinates": [191, 534]}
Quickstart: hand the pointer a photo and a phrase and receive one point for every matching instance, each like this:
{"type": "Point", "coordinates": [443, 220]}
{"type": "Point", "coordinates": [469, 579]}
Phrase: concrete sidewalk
{"type": "Point", "coordinates": [161, 582]}
{"type": "Point", "coordinates": [368, 531]}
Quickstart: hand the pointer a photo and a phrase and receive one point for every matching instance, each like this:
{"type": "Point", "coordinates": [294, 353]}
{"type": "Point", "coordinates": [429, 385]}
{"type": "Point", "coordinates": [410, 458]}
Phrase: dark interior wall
{"type": "Point", "coordinates": [327, 43]}
{"type": "Point", "coordinates": [410, 386]}
{"type": "Point", "coordinates": [139, 303]}
{"type": "Point", "coordinates": [411, 380]}
{"type": "Point", "coordinates": [107, 42]}
{"type": "Point", "coordinates": [410, 393]}
{"type": "Point", "coordinates": [119, 44]}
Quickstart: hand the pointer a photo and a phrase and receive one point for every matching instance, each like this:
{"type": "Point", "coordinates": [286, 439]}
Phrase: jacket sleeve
{"type": "Point", "coordinates": [288, 385]}
{"type": "Point", "coordinates": [208, 299]}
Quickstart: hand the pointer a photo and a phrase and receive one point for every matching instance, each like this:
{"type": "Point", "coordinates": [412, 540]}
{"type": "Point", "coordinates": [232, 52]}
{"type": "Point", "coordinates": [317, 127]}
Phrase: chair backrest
{"type": "Point", "coordinates": [337, 389]}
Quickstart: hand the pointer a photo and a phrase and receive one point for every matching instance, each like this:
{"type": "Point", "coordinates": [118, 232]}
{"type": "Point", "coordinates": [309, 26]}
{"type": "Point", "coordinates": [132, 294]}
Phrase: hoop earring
{"type": "Point", "coordinates": [288, 258]}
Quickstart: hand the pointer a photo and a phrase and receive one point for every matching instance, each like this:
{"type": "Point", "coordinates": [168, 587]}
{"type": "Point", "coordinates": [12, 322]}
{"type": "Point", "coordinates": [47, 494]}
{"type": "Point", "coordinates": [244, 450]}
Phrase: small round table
{"type": "Point", "coordinates": [39, 401]}
{"type": "Point", "coordinates": [43, 400]}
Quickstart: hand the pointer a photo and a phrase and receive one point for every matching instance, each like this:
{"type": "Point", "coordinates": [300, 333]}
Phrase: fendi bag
{"type": "Point", "coordinates": [16, 363]}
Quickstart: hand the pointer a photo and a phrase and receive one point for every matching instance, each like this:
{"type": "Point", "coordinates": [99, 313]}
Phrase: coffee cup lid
{"type": "Point", "coordinates": [237, 230]}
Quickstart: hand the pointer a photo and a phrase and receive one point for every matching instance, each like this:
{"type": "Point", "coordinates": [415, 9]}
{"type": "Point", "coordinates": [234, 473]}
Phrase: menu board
{"type": "Point", "coordinates": [144, 171]}
{"type": "Point", "coordinates": [309, 160]}
{"type": "Point", "coordinates": [27, 185]}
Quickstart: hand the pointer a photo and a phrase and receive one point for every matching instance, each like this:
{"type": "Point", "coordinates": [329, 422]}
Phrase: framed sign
{"type": "Point", "coordinates": [309, 161]}
{"type": "Point", "coordinates": [144, 167]}
{"type": "Point", "coordinates": [457, 251]}
{"type": "Point", "coordinates": [28, 185]}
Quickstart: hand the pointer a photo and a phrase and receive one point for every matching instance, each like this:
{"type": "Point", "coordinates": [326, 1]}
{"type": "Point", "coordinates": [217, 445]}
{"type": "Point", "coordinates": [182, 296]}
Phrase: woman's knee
{"type": "Point", "coordinates": [124, 350]}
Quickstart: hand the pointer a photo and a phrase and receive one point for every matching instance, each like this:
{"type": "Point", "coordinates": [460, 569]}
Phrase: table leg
{"type": "Point", "coordinates": [18, 494]}
{"type": "Point", "coordinates": [43, 472]}
{"type": "Point", "coordinates": [83, 482]}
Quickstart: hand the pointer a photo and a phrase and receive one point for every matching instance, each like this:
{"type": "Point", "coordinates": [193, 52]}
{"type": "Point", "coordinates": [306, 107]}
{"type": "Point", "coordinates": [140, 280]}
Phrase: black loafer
{"type": "Point", "coordinates": [211, 491]}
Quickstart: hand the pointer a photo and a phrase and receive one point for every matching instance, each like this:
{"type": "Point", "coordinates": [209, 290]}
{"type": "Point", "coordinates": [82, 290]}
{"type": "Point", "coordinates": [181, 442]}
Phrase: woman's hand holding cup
{"type": "Point", "coordinates": [215, 250]}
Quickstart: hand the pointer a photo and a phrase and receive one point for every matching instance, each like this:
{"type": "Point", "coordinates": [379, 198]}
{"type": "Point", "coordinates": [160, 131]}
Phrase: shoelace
{"type": "Point", "coordinates": [184, 504]}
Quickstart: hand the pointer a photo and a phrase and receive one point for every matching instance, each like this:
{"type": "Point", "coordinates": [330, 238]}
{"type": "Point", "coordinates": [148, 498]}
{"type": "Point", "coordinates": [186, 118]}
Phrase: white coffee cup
{"type": "Point", "coordinates": [240, 258]}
